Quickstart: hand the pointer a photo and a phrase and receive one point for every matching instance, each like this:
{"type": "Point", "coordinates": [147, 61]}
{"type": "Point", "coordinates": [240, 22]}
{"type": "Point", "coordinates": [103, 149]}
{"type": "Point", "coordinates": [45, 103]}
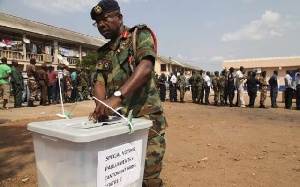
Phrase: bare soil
{"type": "Point", "coordinates": [206, 145]}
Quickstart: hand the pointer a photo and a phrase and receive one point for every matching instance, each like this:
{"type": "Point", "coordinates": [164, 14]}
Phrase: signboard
{"type": "Point", "coordinates": [120, 166]}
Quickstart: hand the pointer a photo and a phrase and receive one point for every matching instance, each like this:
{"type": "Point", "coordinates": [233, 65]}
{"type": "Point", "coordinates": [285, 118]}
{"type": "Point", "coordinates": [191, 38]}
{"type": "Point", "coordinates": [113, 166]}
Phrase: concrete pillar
{"type": "Point", "coordinates": [55, 45]}
{"type": "Point", "coordinates": [80, 53]}
{"type": "Point", "coordinates": [24, 47]}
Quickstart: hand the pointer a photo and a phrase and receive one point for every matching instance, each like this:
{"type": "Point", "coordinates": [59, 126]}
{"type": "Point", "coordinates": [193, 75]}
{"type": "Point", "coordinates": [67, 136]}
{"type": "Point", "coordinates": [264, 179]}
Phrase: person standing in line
{"type": "Point", "coordinates": [162, 87]}
{"type": "Point", "coordinates": [173, 88]}
{"type": "Point", "coordinates": [181, 84]}
{"type": "Point", "coordinates": [43, 82]}
{"type": "Point", "coordinates": [297, 80]}
{"type": "Point", "coordinates": [207, 85]}
{"type": "Point", "coordinates": [273, 82]}
{"type": "Point", "coordinates": [32, 84]}
{"type": "Point", "coordinates": [193, 84]}
{"type": "Point", "coordinates": [225, 97]}
{"type": "Point", "coordinates": [5, 72]}
{"type": "Point", "coordinates": [252, 83]}
{"type": "Point", "coordinates": [240, 86]}
{"type": "Point", "coordinates": [230, 86]}
{"type": "Point", "coordinates": [288, 89]}
{"type": "Point", "coordinates": [222, 87]}
{"type": "Point", "coordinates": [215, 85]}
{"type": "Point", "coordinates": [17, 84]}
{"type": "Point", "coordinates": [263, 88]}
{"type": "Point", "coordinates": [53, 82]}
{"type": "Point", "coordinates": [199, 87]}
{"type": "Point", "coordinates": [126, 78]}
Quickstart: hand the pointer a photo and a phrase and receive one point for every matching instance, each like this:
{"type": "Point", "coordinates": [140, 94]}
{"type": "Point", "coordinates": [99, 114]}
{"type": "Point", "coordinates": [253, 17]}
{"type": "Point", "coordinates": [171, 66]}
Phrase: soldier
{"type": "Point", "coordinates": [273, 82]}
{"type": "Point", "coordinates": [193, 84]}
{"type": "Point", "coordinates": [181, 84]}
{"type": "Point", "coordinates": [43, 82]}
{"type": "Point", "coordinates": [68, 86]}
{"type": "Point", "coordinates": [263, 88]}
{"type": "Point", "coordinates": [125, 77]}
{"type": "Point", "coordinates": [162, 86]}
{"type": "Point", "coordinates": [226, 87]}
{"type": "Point", "coordinates": [222, 87]}
{"type": "Point", "coordinates": [32, 83]}
{"type": "Point", "coordinates": [230, 86]}
{"type": "Point", "coordinates": [216, 89]}
{"type": "Point", "coordinates": [199, 87]}
{"type": "Point", "coordinates": [17, 84]}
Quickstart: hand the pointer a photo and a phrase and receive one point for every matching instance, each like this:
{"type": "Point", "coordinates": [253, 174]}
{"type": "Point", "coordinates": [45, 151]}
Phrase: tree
{"type": "Point", "coordinates": [89, 61]}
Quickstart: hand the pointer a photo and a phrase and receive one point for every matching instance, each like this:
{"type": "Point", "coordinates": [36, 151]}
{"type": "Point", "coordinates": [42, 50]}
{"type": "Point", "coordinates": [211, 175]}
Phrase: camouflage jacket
{"type": "Point", "coordinates": [199, 80]}
{"type": "Point", "coordinates": [114, 69]}
{"type": "Point", "coordinates": [181, 81]}
{"type": "Point", "coordinates": [222, 82]}
{"type": "Point", "coordinates": [263, 84]}
{"type": "Point", "coordinates": [215, 81]}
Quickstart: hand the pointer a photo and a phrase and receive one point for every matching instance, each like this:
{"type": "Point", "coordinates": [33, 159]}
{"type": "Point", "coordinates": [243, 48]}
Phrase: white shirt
{"type": "Point", "coordinates": [288, 81]}
{"type": "Point", "coordinates": [173, 79]}
{"type": "Point", "coordinates": [239, 81]}
{"type": "Point", "coordinates": [297, 78]}
{"type": "Point", "coordinates": [207, 80]}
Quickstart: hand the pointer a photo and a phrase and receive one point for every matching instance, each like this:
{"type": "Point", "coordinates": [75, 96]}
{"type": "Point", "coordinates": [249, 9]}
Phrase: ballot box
{"type": "Point", "coordinates": [78, 153]}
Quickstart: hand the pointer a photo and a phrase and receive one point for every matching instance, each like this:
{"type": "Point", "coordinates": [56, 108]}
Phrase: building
{"type": "Point", "coordinates": [22, 39]}
{"type": "Point", "coordinates": [281, 64]}
{"type": "Point", "coordinates": [167, 65]}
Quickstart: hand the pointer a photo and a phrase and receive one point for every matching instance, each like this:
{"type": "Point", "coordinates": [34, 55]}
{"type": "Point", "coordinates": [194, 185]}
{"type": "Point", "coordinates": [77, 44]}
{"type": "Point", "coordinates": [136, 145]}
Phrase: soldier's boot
{"type": "Point", "coordinates": [30, 104]}
{"type": "Point", "coordinates": [153, 183]}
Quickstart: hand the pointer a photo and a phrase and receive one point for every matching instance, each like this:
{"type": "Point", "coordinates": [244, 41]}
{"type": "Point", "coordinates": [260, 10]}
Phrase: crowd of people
{"type": "Point", "coordinates": [45, 84]}
{"type": "Point", "coordinates": [227, 83]}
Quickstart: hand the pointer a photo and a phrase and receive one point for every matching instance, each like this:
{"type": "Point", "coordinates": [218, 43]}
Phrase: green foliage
{"type": "Point", "coordinates": [89, 61]}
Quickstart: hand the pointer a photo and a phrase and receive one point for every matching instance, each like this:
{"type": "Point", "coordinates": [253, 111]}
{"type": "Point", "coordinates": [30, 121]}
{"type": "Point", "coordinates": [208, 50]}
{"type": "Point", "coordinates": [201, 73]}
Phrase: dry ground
{"type": "Point", "coordinates": [206, 145]}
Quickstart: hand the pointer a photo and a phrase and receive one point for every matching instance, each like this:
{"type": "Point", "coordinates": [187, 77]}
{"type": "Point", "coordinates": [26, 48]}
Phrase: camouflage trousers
{"type": "Point", "coordinates": [156, 146]}
{"type": "Point", "coordinates": [222, 93]}
{"type": "Point", "coordinates": [182, 92]}
{"type": "Point", "coordinates": [32, 85]}
{"type": "Point", "coordinates": [194, 93]}
{"type": "Point", "coordinates": [263, 97]}
{"type": "Point", "coordinates": [69, 90]}
{"type": "Point", "coordinates": [199, 95]}
{"type": "Point", "coordinates": [216, 96]}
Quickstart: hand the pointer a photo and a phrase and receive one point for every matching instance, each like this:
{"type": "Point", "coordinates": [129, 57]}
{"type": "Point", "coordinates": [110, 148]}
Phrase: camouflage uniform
{"type": "Point", "coordinates": [193, 83]}
{"type": "Point", "coordinates": [221, 85]}
{"type": "Point", "coordinates": [263, 88]}
{"type": "Point", "coordinates": [32, 85]}
{"type": "Point", "coordinates": [200, 83]}
{"type": "Point", "coordinates": [215, 81]}
{"type": "Point", "coordinates": [181, 83]}
{"type": "Point", "coordinates": [68, 86]}
{"type": "Point", "coordinates": [114, 68]}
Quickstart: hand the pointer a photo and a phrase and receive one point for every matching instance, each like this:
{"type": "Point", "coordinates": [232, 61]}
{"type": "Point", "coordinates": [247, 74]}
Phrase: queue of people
{"type": "Point", "coordinates": [226, 84]}
{"type": "Point", "coordinates": [43, 84]}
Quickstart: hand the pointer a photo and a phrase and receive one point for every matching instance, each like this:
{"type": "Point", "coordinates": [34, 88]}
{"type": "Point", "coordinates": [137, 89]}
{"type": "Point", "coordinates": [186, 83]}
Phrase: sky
{"type": "Point", "coordinates": [202, 33]}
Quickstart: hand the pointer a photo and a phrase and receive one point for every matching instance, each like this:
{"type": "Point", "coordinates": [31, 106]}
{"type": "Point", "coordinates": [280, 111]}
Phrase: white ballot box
{"type": "Point", "coordinates": [78, 153]}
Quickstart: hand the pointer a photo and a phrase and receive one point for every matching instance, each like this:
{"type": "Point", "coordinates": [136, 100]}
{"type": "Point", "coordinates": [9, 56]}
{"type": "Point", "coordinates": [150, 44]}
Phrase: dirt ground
{"type": "Point", "coordinates": [206, 145]}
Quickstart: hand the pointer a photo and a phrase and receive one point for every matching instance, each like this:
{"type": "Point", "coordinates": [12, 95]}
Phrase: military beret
{"type": "Point", "coordinates": [103, 7]}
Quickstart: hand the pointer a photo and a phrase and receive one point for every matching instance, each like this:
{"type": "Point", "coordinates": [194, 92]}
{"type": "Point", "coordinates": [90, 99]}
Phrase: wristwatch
{"type": "Point", "coordinates": [119, 94]}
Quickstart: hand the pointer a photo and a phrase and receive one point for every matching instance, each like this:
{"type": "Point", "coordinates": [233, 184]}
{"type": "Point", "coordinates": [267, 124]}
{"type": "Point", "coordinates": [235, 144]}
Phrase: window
{"type": "Point", "coordinates": [163, 67]}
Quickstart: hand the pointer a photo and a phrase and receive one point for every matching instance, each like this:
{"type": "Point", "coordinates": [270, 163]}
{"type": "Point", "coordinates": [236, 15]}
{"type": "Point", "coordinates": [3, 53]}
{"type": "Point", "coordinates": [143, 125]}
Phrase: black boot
{"type": "Point", "coordinates": [30, 104]}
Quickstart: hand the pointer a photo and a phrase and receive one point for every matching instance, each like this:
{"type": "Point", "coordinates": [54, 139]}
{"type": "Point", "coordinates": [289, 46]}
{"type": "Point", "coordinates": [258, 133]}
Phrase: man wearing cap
{"type": "Point", "coordinates": [126, 78]}
{"type": "Point", "coordinates": [32, 85]}
{"type": "Point", "coordinates": [5, 72]}
{"type": "Point", "coordinates": [17, 84]}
